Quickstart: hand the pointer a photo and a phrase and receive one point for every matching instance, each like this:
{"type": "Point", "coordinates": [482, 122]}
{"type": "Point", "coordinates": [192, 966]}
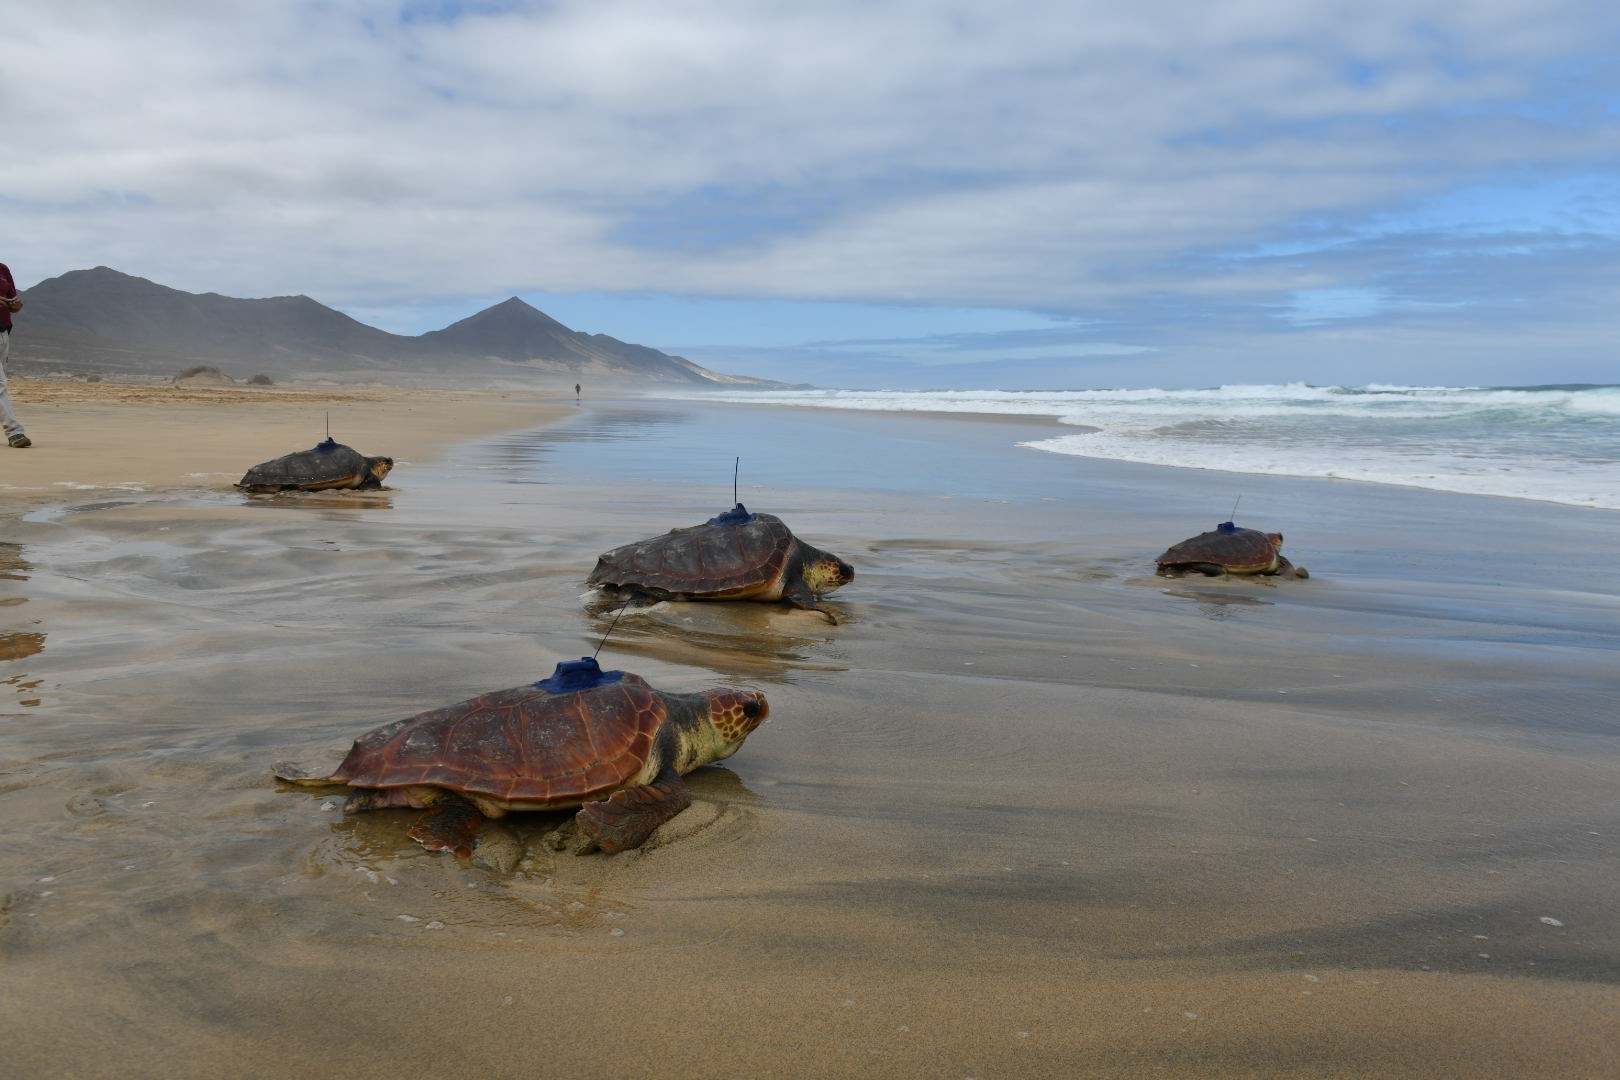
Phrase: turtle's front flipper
{"type": "Point", "coordinates": [451, 826]}
{"type": "Point", "coordinates": [803, 598]}
{"type": "Point", "coordinates": [626, 818]}
{"type": "Point", "coordinates": [832, 616]}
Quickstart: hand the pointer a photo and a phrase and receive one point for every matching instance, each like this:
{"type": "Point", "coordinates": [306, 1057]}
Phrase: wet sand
{"type": "Point", "coordinates": [1028, 810]}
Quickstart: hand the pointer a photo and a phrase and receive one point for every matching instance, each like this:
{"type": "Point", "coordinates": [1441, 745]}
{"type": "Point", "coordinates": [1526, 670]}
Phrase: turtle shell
{"type": "Point", "coordinates": [523, 748]}
{"type": "Point", "coordinates": [1237, 551]}
{"type": "Point", "coordinates": [712, 560]}
{"type": "Point", "coordinates": [327, 465]}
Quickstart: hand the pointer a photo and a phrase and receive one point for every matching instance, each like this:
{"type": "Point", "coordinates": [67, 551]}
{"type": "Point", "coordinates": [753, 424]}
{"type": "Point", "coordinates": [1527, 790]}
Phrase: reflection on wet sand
{"type": "Point", "coordinates": [369, 499]}
{"type": "Point", "coordinates": [17, 646]}
{"type": "Point", "coordinates": [1216, 605]}
{"type": "Point", "coordinates": [761, 641]}
{"type": "Point", "coordinates": [541, 455]}
{"type": "Point", "coordinates": [13, 566]}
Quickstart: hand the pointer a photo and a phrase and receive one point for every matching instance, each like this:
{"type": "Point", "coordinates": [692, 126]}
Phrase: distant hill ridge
{"type": "Point", "coordinates": [106, 322]}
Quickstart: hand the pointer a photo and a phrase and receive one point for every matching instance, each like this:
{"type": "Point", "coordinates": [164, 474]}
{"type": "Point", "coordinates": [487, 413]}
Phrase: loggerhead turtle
{"type": "Point", "coordinates": [735, 556]}
{"type": "Point", "coordinates": [1228, 549]}
{"type": "Point", "coordinates": [605, 742]}
{"type": "Point", "coordinates": [324, 467]}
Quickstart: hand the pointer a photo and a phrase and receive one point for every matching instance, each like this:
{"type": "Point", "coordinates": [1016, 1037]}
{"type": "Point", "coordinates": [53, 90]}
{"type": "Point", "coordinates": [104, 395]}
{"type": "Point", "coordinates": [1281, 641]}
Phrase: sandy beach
{"type": "Point", "coordinates": [158, 436]}
{"type": "Point", "coordinates": [1027, 810]}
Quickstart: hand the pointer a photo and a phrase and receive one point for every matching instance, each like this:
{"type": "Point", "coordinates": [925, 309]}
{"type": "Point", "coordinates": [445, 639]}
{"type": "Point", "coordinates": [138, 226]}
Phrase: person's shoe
{"type": "Point", "coordinates": [20, 440]}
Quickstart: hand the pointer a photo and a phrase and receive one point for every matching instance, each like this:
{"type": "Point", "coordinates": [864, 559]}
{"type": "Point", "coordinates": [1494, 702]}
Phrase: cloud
{"type": "Point", "coordinates": [1167, 172]}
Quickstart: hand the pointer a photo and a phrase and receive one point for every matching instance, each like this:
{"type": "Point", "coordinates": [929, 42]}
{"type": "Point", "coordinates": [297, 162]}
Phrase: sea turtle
{"type": "Point", "coordinates": [735, 556]}
{"type": "Point", "coordinates": [324, 467]}
{"type": "Point", "coordinates": [606, 742]}
{"type": "Point", "coordinates": [1228, 549]}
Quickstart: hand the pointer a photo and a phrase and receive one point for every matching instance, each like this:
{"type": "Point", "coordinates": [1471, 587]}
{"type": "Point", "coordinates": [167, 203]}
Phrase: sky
{"type": "Point", "coordinates": [860, 193]}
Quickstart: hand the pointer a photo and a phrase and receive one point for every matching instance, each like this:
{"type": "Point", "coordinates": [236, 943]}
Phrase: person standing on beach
{"type": "Point", "coordinates": [9, 302]}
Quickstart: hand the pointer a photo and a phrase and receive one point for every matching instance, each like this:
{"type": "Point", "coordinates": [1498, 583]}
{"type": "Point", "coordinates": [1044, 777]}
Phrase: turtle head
{"type": "Point", "coordinates": [824, 571]}
{"type": "Point", "coordinates": [732, 717]}
{"type": "Point", "coordinates": [379, 467]}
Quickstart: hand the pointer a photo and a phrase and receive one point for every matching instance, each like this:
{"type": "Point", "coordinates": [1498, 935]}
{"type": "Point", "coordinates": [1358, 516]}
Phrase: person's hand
{"type": "Point", "coordinates": [14, 303]}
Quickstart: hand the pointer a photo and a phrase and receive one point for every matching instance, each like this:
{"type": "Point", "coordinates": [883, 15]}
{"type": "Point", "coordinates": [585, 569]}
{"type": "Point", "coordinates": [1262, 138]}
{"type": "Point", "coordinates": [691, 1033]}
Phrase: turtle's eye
{"type": "Point", "coordinates": [751, 708]}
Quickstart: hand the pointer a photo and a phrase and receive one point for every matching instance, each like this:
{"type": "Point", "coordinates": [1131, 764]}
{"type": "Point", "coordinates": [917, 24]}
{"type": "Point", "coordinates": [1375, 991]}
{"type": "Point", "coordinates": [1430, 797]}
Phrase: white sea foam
{"type": "Point", "coordinates": [1555, 444]}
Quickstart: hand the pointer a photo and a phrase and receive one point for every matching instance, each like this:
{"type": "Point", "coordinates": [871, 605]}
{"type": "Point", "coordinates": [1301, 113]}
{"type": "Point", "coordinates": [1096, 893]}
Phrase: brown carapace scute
{"type": "Point", "coordinates": [605, 742]}
{"type": "Point", "coordinates": [327, 466]}
{"type": "Point", "coordinates": [1228, 549]}
{"type": "Point", "coordinates": [735, 556]}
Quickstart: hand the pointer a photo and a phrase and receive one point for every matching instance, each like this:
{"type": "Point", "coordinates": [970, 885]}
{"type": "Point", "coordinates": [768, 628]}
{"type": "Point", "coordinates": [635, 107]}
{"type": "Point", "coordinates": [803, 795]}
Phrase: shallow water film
{"type": "Point", "coordinates": [1026, 809]}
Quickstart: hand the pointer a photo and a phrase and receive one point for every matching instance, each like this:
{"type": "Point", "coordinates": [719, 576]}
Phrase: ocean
{"type": "Point", "coordinates": [1550, 443]}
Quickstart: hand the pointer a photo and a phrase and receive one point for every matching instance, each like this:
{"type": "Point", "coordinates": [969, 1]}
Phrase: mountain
{"type": "Point", "coordinates": [514, 332]}
{"type": "Point", "coordinates": [106, 322]}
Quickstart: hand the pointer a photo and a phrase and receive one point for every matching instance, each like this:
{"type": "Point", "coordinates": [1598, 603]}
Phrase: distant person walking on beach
{"type": "Point", "coordinates": [576, 391]}
{"type": "Point", "coordinates": [9, 302]}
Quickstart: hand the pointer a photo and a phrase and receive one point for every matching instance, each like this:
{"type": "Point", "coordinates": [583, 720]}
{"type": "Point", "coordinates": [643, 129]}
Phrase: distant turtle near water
{"type": "Point", "coordinates": [1228, 549]}
{"type": "Point", "coordinates": [735, 556]}
{"type": "Point", "coordinates": [605, 742]}
{"type": "Point", "coordinates": [328, 466]}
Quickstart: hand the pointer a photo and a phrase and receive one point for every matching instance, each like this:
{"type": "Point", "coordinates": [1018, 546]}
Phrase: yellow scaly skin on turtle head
{"type": "Point", "coordinates": [732, 715]}
{"type": "Point", "coordinates": [825, 572]}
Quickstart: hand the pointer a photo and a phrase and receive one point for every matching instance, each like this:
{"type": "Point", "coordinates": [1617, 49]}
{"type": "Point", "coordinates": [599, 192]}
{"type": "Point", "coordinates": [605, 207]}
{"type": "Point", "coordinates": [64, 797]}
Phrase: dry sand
{"type": "Point", "coordinates": [157, 436]}
{"type": "Point", "coordinates": [1026, 812]}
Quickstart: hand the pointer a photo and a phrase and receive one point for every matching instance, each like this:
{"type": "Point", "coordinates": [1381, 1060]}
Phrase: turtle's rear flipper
{"type": "Point", "coordinates": [450, 826]}
{"type": "Point", "coordinates": [626, 818]}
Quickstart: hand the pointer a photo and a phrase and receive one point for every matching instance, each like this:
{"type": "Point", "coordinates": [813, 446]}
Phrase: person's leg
{"type": "Point", "coordinates": [8, 418]}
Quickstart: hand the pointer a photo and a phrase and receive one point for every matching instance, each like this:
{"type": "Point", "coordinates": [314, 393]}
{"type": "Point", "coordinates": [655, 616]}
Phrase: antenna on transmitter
{"type": "Point", "coordinates": [611, 625]}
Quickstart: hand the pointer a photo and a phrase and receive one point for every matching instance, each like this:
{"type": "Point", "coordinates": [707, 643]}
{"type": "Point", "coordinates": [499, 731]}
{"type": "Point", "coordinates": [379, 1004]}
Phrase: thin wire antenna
{"type": "Point", "coordinates": [611, 625]}
{"type": "Point", "coordinates": [736, 467]}
{"type": "Point", "coordinates": [1233, 515]}
{"type": "Point", "coordinates": [328, 423]}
